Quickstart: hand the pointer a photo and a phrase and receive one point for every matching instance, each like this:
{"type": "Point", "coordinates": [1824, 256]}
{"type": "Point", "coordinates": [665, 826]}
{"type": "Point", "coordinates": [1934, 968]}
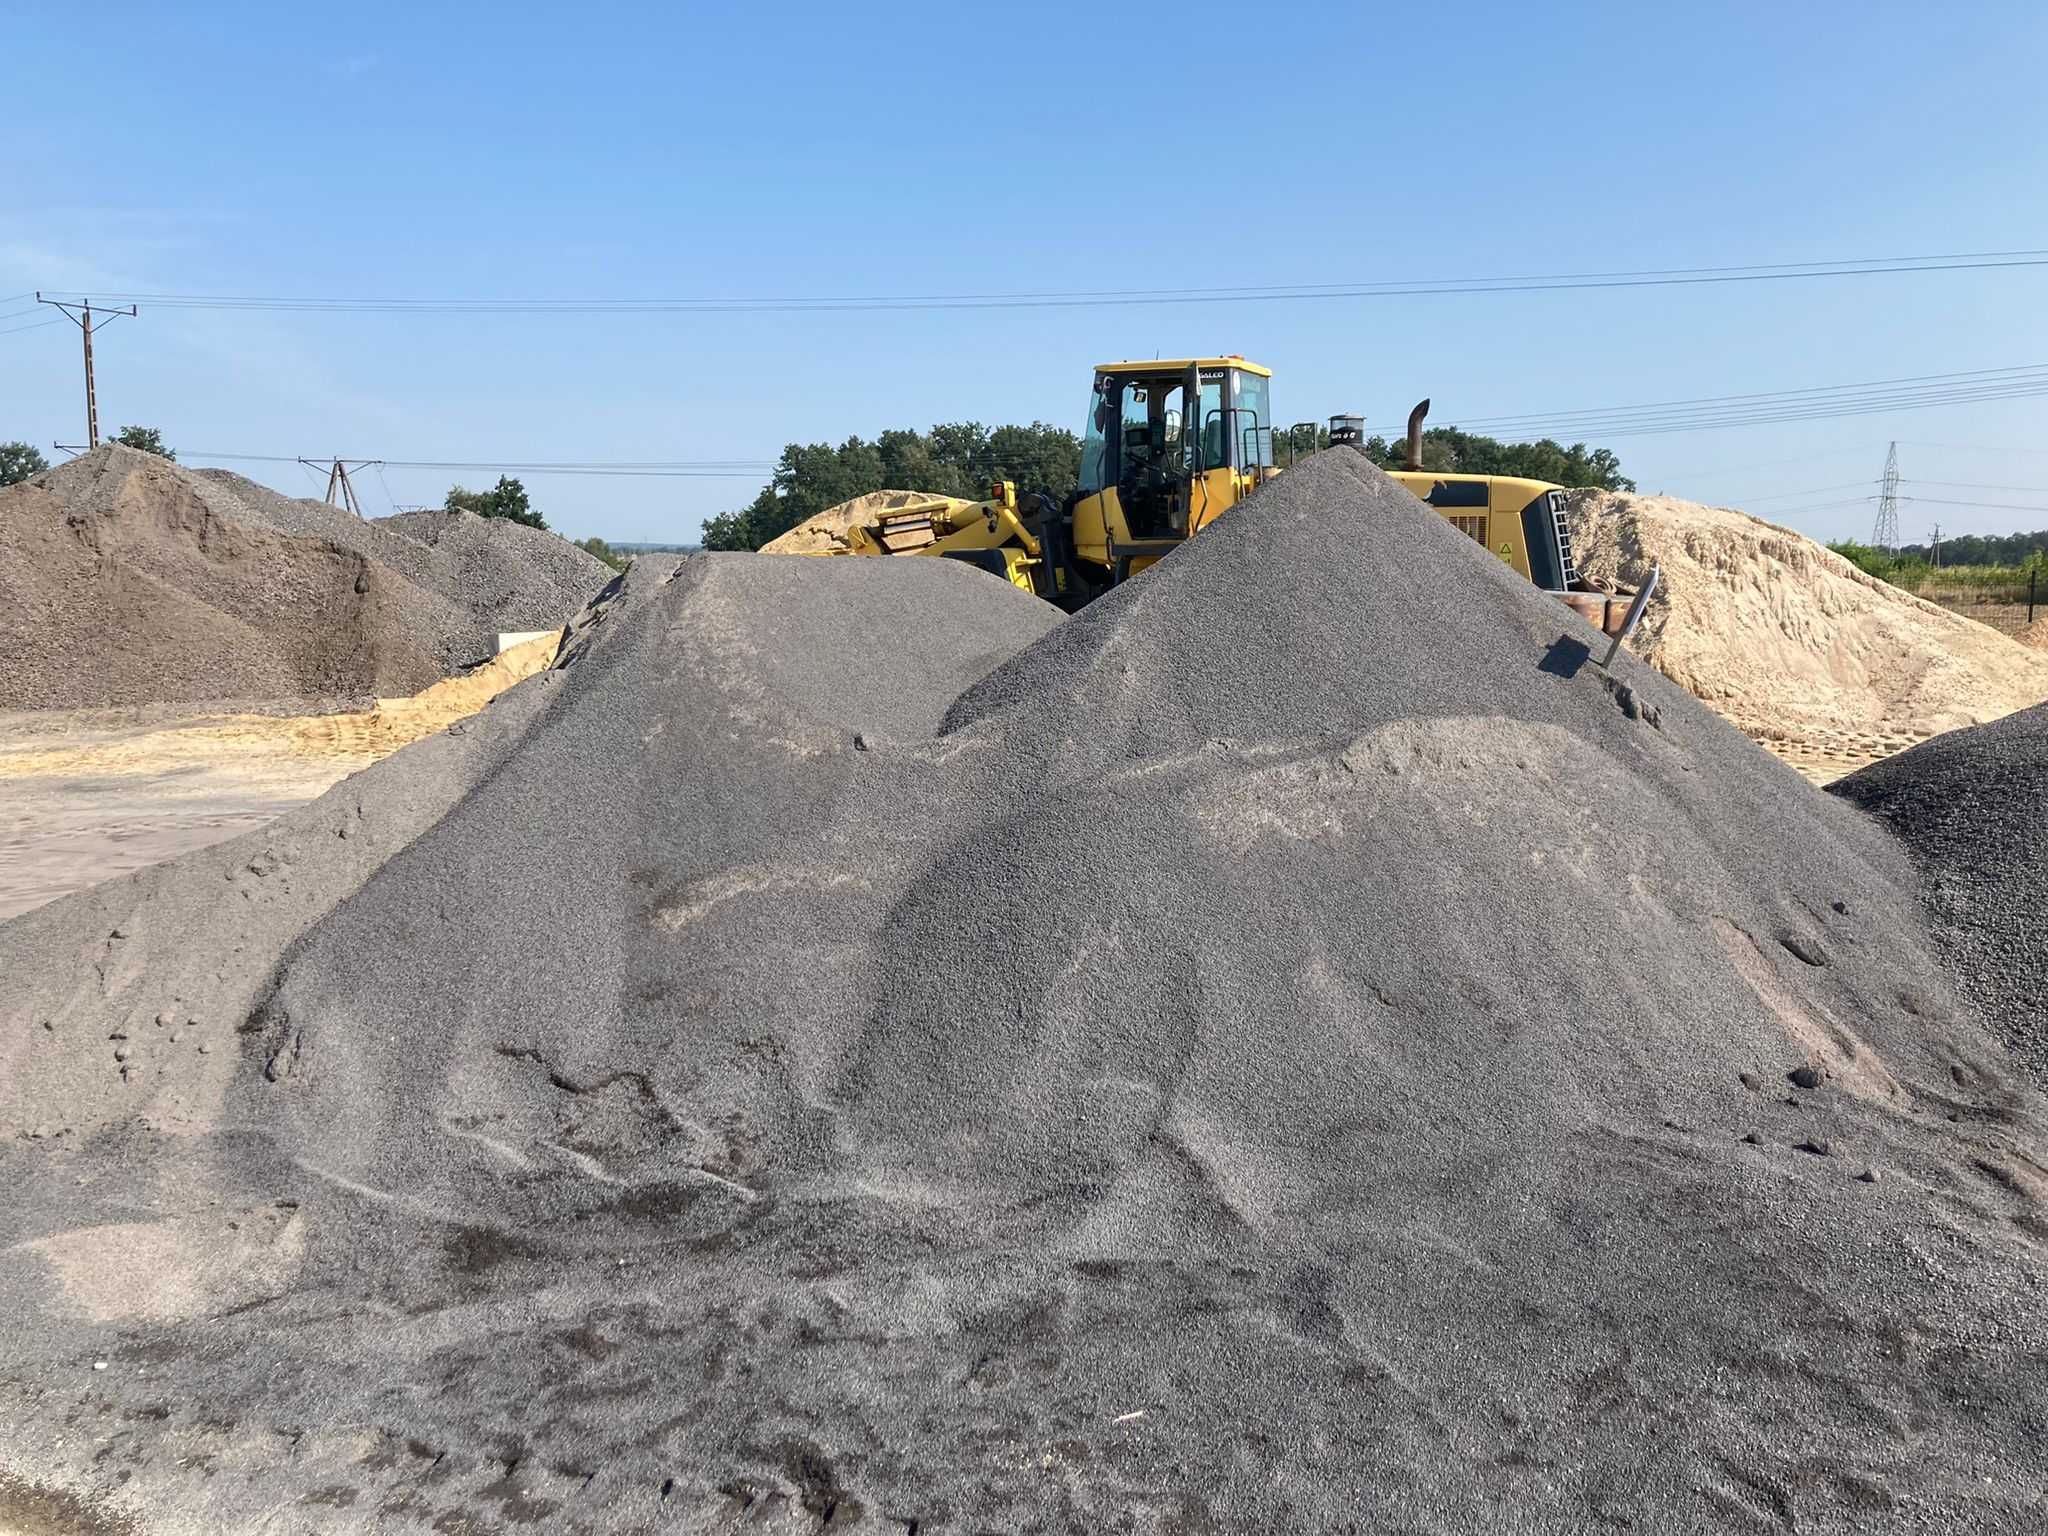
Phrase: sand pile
{"type": "Point", "coordinates": [1231, 1061]}
{"type": "Point", "coordinates": [364, 734]}
{"type": "Point", "coordinates": [125, 579]}
{"type": "Point", "coordinates": [827, 530]}
{"type": "Point", "coordinates": [1968, 805]}
{"type": "Point", "coordinates": [2034, 635]}
{"type": "Point", "coordinates": [1824, 665]}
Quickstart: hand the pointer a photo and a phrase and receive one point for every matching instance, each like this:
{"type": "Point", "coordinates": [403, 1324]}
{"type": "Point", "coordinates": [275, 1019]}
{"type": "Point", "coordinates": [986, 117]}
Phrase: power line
{"type": "Point", "coordinates": [1820, 403]}
{"type": "Point", "coordinates": [1717, 470]}
{"type": "Point", "coordinates": [1864, 266]}
{"type": "Point", "coordinates": [1978, 485]}
{"type": "Point", "coordinates": [1825, 506]}
{"type": "Point", "coordinates": [37, 326]}
{"type": "Point", "coordinates": [1988, 506]}
{"type": "Point", "coordinates": [1815, 490]}
{"type": "Point", "coordinates": [1978, 448]}
{"type": "Point", "coordinates": [83, 319]}
{"type": "Point", "coordinates": [729, 469]}
{"type": "Point", "coordinates": [1766, 396]}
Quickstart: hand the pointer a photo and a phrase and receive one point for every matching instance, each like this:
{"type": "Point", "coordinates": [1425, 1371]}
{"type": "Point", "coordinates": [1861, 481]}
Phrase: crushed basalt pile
{"type": "Point", "coordinates": [1263, 1054]}
{"type": "Point", "coordinates": [1969, 806]}
{"type": "Point", "coordinates": [129, 580]}
{"type": "Point", "coordinates": [1826, 666]}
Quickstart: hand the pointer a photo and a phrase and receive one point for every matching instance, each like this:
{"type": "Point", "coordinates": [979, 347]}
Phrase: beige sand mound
{"type": "Point", "coordinates": [827, 530]}
{"type": "Point", "coordinates": [1825, 666]}
{"type": "Point", "coordinates": [2034, 635]}
{"type": "Point", "coordinates": [221, 740]}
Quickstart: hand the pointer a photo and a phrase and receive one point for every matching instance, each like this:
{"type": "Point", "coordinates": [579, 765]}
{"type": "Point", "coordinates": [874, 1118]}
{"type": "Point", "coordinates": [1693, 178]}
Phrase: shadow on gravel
{"type": "Point", "coordinates": [1565, 657]}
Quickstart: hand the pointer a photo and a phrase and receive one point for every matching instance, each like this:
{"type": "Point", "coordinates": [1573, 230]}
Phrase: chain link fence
{"type": "Point", "coordinates": [2005, 606]}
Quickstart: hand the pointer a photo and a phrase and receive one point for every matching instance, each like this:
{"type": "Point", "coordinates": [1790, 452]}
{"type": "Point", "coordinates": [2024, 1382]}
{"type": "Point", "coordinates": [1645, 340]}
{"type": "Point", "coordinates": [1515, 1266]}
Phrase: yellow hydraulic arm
{"type": "Point", "coordinates": [945, 523]}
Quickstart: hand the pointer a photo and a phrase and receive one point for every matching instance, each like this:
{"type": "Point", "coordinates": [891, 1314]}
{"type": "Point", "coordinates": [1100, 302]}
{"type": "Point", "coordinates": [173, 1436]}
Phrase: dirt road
{"type": "Point", "coordinates": [94, 794]}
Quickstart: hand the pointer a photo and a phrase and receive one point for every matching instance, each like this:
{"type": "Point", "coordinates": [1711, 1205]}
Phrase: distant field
{"type": "Point", "coordinates": [2006, 597]}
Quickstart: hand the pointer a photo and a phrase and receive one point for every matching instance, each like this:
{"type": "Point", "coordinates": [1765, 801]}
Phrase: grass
{"type": "Point", "coordinates": [1993, 584]}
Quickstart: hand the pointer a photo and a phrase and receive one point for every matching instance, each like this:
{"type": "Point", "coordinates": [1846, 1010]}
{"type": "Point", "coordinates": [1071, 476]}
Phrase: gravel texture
{"type": "Point", "coordinates": [1968, 805]}
{"type": "Point", "coordinates": [128, 580]}
{"type": "Point", "coordinates": [504, 576]}
{"type": "Point", "coordinates": [1279, 1051]}
{"type": "Point", "coordinates": [121, 584]}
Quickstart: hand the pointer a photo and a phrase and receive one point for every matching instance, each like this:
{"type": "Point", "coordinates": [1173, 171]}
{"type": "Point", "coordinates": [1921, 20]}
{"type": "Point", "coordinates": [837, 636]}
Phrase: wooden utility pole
{"type": "Point", "coordinates": [82, 316]}
{"type": "Point", "coordinates": [341, 491]}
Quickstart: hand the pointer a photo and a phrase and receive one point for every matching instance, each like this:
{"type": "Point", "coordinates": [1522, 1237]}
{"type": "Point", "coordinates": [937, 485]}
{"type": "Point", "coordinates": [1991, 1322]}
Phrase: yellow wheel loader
{"type": "Point", "coordinates": [1169, 447]}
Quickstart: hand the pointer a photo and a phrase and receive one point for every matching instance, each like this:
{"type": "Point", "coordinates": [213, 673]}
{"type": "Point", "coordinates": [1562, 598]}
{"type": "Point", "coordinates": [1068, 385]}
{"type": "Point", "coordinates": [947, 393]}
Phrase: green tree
{"type": "Point", "coordinates": [148, 439]}
{"type": "Point", "coordinates": [1982, 548]}
{"type": "Point", "coordinates": [506, 499]}
{"type": "Point", "coordinates": [953, 459]}
{"type": "Point", "coordinates": [616, 559]}
{"type": "Point", "coordinates": [1450, 451]}
{"type": "Point", "coordinates": [18, 461]}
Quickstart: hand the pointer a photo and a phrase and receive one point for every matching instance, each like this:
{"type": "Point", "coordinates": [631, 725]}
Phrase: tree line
{"type": "Point", "coordinates": [2014, 562]}
{"type": "Point", "coordinates": [965, 458]}
{"type": "Point", "coordinates": [1982, 549]}
{"type": "Point", "coordinates": [961, 458]}
{"type": "Point", "coordinates": [1448, 450]}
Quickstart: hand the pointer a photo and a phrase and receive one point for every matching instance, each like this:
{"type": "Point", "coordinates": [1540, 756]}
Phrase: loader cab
{"type": "Point", "coordinates": [1168, 447]}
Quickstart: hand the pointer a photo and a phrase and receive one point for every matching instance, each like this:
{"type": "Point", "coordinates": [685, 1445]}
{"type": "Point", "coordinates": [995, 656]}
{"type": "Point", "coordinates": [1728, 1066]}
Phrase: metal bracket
{"type": "Point", "coordinates": [1636, 610]}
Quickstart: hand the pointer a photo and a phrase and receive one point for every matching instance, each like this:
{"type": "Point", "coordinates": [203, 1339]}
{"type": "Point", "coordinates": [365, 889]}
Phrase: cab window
{"type": "Point", "coordinates": [1252, 423]}
{"type": "Point", "coordinates": [1095, 440]}
{"type": "Point", "coordinates": [1215, 430]}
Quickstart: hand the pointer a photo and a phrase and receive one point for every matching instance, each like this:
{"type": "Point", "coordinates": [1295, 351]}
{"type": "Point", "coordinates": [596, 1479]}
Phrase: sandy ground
{"type": "Point", "coordinates": [90, 795]}
{"type": "Point", "coordinates": [1821, 757]}
{"type": "Point", "coordinates": [65, 830]}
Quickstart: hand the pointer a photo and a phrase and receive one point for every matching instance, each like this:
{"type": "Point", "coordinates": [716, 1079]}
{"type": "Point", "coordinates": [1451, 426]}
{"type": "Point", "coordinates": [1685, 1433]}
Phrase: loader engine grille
{"type": "Point", "coordinates": [1473, 528]}
{"type": "Point", "coordinates": [1562, 521]}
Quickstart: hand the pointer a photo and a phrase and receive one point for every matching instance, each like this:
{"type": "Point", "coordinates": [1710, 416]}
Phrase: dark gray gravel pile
{"type": "Point", "coordinates": [1292, 1049]}
{"type": "Point", "coordinates": [1970, 806]}
{"type": "Point", "coordinates": [502, 575]}
{"type": "Point", "coordinates": [510, 576]}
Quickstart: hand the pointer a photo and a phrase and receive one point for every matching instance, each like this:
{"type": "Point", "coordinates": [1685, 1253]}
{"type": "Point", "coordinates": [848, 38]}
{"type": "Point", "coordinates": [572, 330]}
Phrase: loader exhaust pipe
{"type": "Point", "coordinates": [1415, 434]}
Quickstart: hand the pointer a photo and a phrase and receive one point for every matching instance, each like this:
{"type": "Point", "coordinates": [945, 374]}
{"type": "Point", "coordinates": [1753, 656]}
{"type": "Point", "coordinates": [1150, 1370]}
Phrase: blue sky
{"type": "Point", "coordinates": [812, 150]}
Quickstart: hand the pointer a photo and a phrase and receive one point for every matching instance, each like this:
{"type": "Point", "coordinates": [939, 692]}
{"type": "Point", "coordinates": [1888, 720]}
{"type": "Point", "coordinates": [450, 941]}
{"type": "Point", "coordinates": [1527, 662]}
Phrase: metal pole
{"type": "Point", "coordinates": [92, 404]}
{"type": "Point", "coordinates": [84, 322]}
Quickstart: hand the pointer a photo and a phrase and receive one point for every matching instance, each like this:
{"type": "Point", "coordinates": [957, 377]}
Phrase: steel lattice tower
{"type": "Point", "coordinates": [1887, 535]}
